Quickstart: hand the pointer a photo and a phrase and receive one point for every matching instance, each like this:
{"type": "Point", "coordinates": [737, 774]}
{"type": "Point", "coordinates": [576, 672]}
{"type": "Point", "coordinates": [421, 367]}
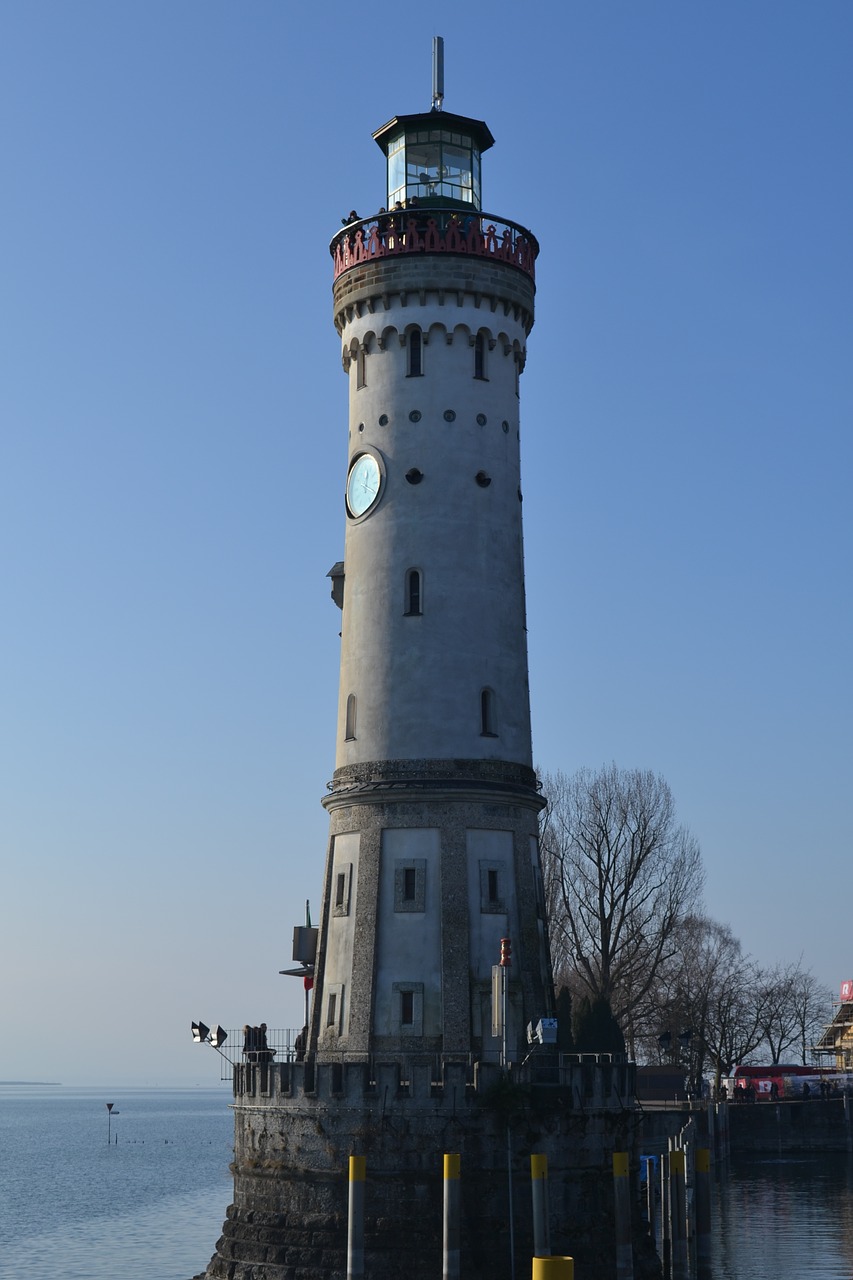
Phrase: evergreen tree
{"type": "Point", "coordinates": [595, 1027]}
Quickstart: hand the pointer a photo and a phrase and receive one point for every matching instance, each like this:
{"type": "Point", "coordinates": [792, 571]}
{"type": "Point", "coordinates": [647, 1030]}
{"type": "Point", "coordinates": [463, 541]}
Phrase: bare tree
{"type": "Point", "coordinates": [813, 1004]}
{"type": "Point", "coordinates": [778, 1014]}
{"type": "Point", "coordinates": [620, 873]}
{"type": "Point", "coordinates": [718, 993]}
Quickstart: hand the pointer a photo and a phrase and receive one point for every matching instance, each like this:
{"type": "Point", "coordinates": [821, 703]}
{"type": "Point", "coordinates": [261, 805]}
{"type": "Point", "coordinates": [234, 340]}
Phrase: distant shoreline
{"type": "Point", "coordinates": [45, 1084]}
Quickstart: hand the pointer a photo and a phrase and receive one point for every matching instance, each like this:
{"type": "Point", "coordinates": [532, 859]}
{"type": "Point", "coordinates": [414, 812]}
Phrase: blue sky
{"type": "Point", "coordinates": [173, 436]}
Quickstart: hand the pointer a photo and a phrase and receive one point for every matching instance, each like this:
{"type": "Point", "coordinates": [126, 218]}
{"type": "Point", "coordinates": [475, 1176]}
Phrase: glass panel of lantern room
{"type": "Point", "coordinates": [423, 165]}
{"type": "Point", "coordinates": [397, 171]}
{"type": "Point", "coordinates": [456, 173]}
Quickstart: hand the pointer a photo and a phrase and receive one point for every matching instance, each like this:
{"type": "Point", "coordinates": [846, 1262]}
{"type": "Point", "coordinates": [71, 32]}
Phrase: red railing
{"type": "Point", "coordinates": [434, 231]}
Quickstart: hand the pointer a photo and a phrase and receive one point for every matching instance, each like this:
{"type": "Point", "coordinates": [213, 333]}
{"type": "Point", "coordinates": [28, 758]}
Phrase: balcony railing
{"type": "Point", "coordinates": [432, 230]}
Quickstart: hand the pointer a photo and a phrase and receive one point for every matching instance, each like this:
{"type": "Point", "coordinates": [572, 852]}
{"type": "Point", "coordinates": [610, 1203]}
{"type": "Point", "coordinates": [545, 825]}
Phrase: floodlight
{"type": "Point", "coordinates": [218, 1036]}
{"type": "Point", "coordinates": [200, 1032]}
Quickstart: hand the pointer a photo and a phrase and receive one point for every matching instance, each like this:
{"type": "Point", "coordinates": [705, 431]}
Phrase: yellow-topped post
{"type": "Point", "coordinates": [355, 1232]}
{"type": "Point", "coordinates": [703, 1213]}
{"type": "Point", "coordinates": [622, 1216]}
{"type": "Point", "coordinates": [553, 1268]}
{"type": "Point", "coordinates": [541, 1225]}
{"type": "Point", "coordinates": [451, 1253]}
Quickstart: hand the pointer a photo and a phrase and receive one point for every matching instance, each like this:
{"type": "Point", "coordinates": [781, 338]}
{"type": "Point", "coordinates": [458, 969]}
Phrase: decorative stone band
{"type": "Point", "coordinates": [586, 1082]}
{"type": "Point", "coordinates": [475, 234]}
{"type": "Point", "coordinates": [388, 780]}
{"type": "Point", "coordinates": [378, 285]}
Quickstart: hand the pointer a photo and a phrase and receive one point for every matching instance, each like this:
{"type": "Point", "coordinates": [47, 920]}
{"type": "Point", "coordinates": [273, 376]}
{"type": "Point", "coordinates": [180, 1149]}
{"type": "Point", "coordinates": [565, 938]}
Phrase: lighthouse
{"type": "Point", "coordinates": [431, 1031]}
{"type": "Point", "coordinates": [433, 854]}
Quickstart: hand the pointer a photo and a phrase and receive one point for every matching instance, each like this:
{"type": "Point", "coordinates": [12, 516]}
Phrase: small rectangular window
{"type": "Point", "coordinates": [332, 1010]}
{"type": "Point", "coordinates": [342, 888]}
{"type": "Point", "coordinates": [413, 593]}
{"type": "Point", "coordinates": [410, 884]}
{"type": "Point", "coordinates": [480, 357]}
{"type": "Point", "coordinates": [360, 369]}
{"type": "Point", "coordinates": [487, 714]}
{"type": "Point", "coordinates": [409, 1000]}
{"type": "Point", "coordinates": [493, 887]}
{"type": "Point", "coordinates": [415, 362]}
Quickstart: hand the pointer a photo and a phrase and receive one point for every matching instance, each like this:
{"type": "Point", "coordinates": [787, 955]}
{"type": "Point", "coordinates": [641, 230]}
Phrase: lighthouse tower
{"type": "Point", "coordinates": [431, 1023]}
{"type": "Point", "coordinates": [433, 855]}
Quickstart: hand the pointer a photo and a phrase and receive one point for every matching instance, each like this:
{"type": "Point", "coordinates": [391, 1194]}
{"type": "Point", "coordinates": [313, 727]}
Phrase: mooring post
{"type": "Point", "coordinates": [703, 1213]}
{"type": "Point", "coordinates": [848, 1121]}
{"type": "Point", "coordinates": [541, 1225]}
{"type": "Point", "coordinates": [451, 1218]}
{"type": "Point", "coordinates": [623, 1215]}
{"type": "Point", "coordinates": [511, 1207]}
{"type": "Point", "coordinates": [678, 1206]}
{"type": "Point", "coordinates": [650, 1198]}
{"type": "Point", "coordinates": [665, 1215]}
{"type": "Point", "coordinates": [355, 1232]}
{"type": "Point", "coordinates": [553, 1268]}
{"type": "Point", "coordinates": [622, 1204]}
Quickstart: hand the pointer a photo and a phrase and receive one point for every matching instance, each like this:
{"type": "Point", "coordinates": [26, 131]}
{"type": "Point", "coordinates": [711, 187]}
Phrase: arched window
{"type": "Point", "coordinates": [351, 710]}
{"type": "Point", "coordinates": [487, 714]}
{"type": "Point", "coordinates": [480, 357]}
{"type": "Point", "coordinates": [415, 365]}
{"type": "Point", "coordinates": [413, 593]}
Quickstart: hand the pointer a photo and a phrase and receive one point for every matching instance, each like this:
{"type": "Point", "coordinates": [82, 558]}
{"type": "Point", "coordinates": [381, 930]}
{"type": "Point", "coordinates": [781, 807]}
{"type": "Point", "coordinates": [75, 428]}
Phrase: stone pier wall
{"type": "Point", "coordinates": [296, 1125]}
{"type": "Point", "coordinates": [780, 1127]}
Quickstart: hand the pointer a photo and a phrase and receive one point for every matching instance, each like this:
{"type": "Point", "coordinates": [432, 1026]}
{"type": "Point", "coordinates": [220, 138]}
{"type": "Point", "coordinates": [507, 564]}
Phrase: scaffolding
{"type": "Point", "coordinates": [837, 1038]}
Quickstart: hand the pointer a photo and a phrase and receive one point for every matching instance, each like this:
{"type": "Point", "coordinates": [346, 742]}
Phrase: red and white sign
{"type": "Point", "coordinates": [847, 990]}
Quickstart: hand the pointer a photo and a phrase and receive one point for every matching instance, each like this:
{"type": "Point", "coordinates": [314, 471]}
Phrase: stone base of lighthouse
{"type": "Point", "coordinates": [297, 1124]}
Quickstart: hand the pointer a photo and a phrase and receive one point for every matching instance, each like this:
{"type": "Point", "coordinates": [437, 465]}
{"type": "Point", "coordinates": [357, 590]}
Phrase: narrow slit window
{"type": "Point", "coordinates": [407, 1008]}
{"type": "Point", "coordinates": [340, 889]}
{"type": "Point", "coordinates": [416, 361]}
{"type": "Point", "coordinates": [332, 1010]}
{"type": "Point", "coordinates": [410, 885]}
{"type": "Point", "coordinates": [493, 885]}
{"type": "Point", "coordinates": [413, 593]}
{"type": "Point", "coordinates": [480, 357]}
{"type": "Point", "coordinates": [487, 714]}
{"type": "Point", "coordinates": [351, 713]}
{"type": "Point", "coordinates": [360, 369]}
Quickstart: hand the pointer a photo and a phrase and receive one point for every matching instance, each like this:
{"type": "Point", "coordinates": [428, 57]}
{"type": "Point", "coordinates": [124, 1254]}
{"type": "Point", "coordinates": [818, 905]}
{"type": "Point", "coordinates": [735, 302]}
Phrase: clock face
{"type": "Point", "coordinates": [363, 484]}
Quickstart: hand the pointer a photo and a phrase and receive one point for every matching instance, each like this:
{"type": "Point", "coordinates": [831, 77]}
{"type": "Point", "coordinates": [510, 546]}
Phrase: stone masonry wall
{"type": "Point", "coordinates": [289, 1216]}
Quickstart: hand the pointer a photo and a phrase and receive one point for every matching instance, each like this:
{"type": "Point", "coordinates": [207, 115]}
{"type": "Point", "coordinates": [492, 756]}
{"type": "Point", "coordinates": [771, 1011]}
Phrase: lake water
{"type": "Point", "coordinates": [148, 1207]}
{"type": "Point", "coordinates": [151, 1206]}
{"type": "Point", "coordinates": [776, 1218]}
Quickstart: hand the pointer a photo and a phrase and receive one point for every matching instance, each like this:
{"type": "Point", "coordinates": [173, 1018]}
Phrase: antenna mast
{"type": "Point", "coordinates": [437, 72]}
